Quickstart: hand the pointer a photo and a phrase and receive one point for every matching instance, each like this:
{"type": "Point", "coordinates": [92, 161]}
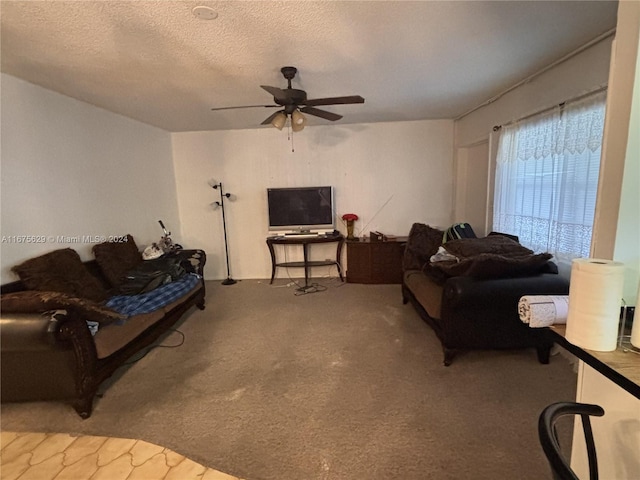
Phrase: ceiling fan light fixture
{"type": "Point", "coordinates": [294, 103]}
{"type": "Point", "coordinates": [279, 121]}
{"type": "Point", "coordinates": [298, 121]}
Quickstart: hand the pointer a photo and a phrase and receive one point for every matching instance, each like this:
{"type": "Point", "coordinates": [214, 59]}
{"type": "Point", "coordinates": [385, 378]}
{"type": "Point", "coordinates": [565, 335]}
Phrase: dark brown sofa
{"type": "Point", "coordinates": [472, 303]}
{"type": "Point", "coordinates": [48, 349]}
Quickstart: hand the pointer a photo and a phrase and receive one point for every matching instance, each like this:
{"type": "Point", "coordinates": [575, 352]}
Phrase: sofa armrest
{"type": "Point", "coordinates": [30, 331]}
{"type": "Point", "coordinates": [55, 329]}
{"type": "Point", "coordinates": [484, 313]}
{"type": "Point", "coordinates": [460, 292]}
{"type": "Point", "coordinates": [41, 354]}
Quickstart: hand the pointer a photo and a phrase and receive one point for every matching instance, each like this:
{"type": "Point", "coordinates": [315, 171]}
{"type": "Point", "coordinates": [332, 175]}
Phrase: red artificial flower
{"type": "Point", "coordinates": [349, 216]}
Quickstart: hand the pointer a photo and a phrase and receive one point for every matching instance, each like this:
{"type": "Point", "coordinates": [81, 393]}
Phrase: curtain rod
{"type": "Point", "coordinates": [548, 109]}
{"type": "Point", "coordinates": [570, 55]}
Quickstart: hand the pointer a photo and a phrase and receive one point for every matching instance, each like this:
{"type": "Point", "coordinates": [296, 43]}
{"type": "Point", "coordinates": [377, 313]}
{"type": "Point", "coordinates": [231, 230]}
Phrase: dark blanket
{"type": "Point", "coordinates": [495, 256]}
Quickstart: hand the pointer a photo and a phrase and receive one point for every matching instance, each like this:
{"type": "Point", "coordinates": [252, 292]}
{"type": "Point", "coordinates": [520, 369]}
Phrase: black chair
{"type": "Point", "coordinates": [549, 439]}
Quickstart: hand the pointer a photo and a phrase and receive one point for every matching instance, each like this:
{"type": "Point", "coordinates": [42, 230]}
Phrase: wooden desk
{"type": "Point", "coordinates": [375, 262]}
{"type": "Point", "coordinates": [611, 380]}
{"type": "Point", "coordinates": [619, 367]}
{"type": "Point", "coordinates": [306, 263]}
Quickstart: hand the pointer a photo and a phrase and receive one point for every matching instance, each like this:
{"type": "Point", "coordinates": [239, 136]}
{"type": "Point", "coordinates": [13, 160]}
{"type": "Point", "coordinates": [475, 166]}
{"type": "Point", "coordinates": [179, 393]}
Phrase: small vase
{"type": "Point", "coordinates": [350, 230]}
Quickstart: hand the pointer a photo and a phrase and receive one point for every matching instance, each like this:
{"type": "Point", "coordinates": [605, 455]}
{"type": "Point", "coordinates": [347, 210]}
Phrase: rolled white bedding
{"type": "Point", "coordinates": [543, 310]}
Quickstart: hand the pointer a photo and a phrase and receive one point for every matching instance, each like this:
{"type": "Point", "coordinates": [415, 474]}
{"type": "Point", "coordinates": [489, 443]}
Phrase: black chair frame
{"type": "Point", "coordinates": [549, 438]}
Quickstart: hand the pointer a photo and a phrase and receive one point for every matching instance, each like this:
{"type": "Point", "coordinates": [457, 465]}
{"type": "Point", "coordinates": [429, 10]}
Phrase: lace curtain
{"type": "Point", "coordinates": [547, 178]}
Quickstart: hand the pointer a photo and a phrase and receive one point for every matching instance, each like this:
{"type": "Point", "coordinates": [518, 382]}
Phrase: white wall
{"type": "Point", "coordinates": [616, 131]}
{"type": "Point", "coordinates": [71, 169]}
{"type": "Point", "coordinates": [617, 433]}
{"type": "Point", "coordinates": [627, 244]}
{"type": "Point", "coordinates": [389, 174]}
{"type": "Point", "coordinates": [472, 173]}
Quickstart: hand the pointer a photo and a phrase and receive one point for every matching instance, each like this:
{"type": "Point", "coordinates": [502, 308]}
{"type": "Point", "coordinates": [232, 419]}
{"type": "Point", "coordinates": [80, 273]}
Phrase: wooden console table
{"type": "Point", "coordinates": [305, 241]}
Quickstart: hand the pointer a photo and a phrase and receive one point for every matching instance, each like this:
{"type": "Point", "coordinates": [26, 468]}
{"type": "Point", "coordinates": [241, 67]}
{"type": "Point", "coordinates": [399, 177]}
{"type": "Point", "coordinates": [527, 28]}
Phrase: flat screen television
{"type": "Point", "coordinates": [301, 209]}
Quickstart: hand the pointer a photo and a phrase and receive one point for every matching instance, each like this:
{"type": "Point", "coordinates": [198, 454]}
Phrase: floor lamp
{"type": "Point", "coordinates": [218, 186]}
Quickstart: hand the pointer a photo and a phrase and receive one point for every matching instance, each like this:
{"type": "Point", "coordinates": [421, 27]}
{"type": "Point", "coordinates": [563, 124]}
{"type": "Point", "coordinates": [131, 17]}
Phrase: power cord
{"type": "Point", "coordinates": [152, 347]}
{"type": "Point", "coordinates": [313, 288]}
{"type": "Point", "coordinates": [302, 289]}
{"type": "Point", "coordinates": [148, 349]}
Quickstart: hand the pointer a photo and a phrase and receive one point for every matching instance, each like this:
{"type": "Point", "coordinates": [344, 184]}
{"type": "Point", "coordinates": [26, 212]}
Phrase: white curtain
{"type": "Point", "coordinates": [547, 178]}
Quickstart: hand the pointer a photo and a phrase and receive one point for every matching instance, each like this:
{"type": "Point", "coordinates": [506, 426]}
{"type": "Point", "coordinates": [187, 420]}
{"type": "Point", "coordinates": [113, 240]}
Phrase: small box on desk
{"type": "Point", "coordinates": [376, 237]}
{"type": "Point", "coordinates": [381, 237]}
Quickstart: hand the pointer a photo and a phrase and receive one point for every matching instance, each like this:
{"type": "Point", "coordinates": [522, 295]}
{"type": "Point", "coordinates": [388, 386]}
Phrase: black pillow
{"type": "Point", "coordinates": [116, 259]}
{"type": "Point", "coordinates": [60, 271]}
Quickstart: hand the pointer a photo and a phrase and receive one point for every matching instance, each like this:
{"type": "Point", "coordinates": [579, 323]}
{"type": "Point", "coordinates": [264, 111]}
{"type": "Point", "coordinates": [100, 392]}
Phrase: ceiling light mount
{"type": "Point", "coordinates": [204, 13]}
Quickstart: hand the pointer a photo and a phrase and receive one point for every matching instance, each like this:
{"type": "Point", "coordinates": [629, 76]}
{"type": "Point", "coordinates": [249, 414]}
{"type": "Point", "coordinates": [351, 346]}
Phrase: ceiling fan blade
{"type": "Point", "coordinates": [243, 106]}
{"type": "Point", "coordinates": [268, 120]}
{"type": "Point", "coordinates": [321, 113]}
{"type": "Point", "coordinates": [277, 93]}
{"type": "Point", "coordinates": [335, 100]}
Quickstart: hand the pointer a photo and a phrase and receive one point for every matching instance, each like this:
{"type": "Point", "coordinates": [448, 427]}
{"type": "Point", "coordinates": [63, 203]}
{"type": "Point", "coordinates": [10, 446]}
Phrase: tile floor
{"type": "Point", "coordinates": [59, 456]}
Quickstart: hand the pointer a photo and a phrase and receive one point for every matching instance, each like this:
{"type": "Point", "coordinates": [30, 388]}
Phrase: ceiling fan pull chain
{"type": "Point", "coordinates": [291, 138]}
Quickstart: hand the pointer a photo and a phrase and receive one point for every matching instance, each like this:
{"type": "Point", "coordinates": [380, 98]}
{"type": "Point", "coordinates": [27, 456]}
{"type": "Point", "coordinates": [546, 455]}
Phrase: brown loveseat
{"type": "Point", "coordinates": [59, 339]}
{"type": "Point", "coordinates": [472, 302]}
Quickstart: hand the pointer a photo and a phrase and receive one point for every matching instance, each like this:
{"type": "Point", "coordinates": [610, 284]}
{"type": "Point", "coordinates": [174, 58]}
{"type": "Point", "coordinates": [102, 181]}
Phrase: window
{"type": "Point", "coordinates": [547, 178]}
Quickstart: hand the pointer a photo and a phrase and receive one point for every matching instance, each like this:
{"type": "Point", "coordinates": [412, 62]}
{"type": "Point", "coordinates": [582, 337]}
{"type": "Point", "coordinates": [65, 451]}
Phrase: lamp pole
{"type": "Point", "coordinates": [218, 186]}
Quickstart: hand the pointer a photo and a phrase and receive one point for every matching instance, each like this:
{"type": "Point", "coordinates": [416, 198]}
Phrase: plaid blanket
{"type": "Point", "coordinates": [131, 305]}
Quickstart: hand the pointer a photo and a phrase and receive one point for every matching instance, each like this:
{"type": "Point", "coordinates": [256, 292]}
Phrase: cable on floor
{"type": "Point", "coordinates": [152, 347]}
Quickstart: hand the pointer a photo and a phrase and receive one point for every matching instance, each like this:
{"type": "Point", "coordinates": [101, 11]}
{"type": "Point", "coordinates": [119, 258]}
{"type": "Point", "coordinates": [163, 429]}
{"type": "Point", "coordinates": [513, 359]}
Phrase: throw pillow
{"type": "Point", "coordinates": [423, 242]}
{"type": "Point", "coordinates": [115, 259]}
{"type": "Point", "coordinates": [31, 301]}
{"type": "Point", "coordinates": [60, 271]}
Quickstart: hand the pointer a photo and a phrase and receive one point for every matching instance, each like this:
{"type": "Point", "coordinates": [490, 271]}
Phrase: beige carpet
{"type": "Point", "coordinates": [347, 383]}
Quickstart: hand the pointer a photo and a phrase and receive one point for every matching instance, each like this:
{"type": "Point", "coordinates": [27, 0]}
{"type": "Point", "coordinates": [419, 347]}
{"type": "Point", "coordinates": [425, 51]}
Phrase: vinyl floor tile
{"type": "Point", "coordinates": [58, 456]}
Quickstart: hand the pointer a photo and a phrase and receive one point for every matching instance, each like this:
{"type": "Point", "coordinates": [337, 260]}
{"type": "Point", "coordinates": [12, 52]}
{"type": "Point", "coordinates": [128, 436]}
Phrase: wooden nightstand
{"type": "Point", "coordinates": [375, 262]}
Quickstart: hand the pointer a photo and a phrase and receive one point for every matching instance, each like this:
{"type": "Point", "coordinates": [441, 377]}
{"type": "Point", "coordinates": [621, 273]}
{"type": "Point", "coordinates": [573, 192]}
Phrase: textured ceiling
{"type": "Point", "coordinates": [157, 63]}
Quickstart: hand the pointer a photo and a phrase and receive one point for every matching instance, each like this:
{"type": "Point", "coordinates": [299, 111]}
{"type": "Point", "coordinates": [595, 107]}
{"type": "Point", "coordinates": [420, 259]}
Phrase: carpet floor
{"type": "Point", "coordinates": [346, 383]}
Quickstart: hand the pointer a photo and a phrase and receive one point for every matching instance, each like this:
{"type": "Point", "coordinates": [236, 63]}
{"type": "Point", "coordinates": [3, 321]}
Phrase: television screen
{"type": "Point", "coordinates": [307, 208]}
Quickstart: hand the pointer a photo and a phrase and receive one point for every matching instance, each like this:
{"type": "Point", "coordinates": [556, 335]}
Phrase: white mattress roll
{"type": "Point", "coordinates": [543, 310]}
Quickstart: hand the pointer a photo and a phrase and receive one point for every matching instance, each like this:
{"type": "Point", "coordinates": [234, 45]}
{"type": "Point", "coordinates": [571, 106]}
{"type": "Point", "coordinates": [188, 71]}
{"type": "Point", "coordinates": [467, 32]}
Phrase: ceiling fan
{"type": "Point", "coordinates": [294, 102]}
